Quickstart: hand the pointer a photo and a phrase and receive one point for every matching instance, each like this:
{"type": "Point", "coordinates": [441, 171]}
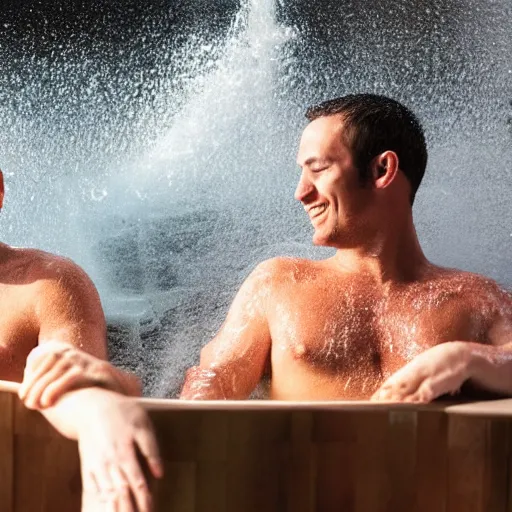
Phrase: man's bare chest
{"type": "Point", "coordinates": [343, 332]}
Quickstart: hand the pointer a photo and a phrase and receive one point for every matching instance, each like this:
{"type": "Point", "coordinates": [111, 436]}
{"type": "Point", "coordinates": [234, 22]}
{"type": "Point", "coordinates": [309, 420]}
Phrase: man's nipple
{"type": "Point", "coordinates": [299, 351]}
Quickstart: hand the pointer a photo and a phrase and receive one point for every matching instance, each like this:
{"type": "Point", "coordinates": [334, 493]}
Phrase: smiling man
{"type": "Point", "coordinates": [377, 320]}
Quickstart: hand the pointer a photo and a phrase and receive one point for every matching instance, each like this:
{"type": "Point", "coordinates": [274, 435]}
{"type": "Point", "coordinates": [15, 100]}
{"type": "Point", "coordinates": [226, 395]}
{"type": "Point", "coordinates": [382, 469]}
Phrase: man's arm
{"type": "Point", "coordinates": [72, 347]}
{"type": "Point", "coordinates": [233, 362]}
{"type": "Point", "coordinates": [444, 368]}
{"type": "Point", "coordinates": [110, 430]}
{"type": "Point", "coordinates": [490, 366]}
{"type": "Point", "coordinates": [69, 309]}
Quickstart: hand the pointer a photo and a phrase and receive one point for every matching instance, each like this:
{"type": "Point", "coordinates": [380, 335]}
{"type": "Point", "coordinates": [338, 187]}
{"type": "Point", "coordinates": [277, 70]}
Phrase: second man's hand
{"type": "Point", "coordinates": [54, 368]}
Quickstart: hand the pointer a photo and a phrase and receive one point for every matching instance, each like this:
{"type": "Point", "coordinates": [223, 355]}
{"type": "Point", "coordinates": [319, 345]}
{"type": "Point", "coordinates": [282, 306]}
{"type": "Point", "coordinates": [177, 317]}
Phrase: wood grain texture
{"type": "Point", "coordinates": [294, 459]}
{"type": "Point", "coordinates": [46, 469]}
{"type": "Point", "coordinates": [431, 462]}
{"type": "Point", "coordinates": [7, 402]}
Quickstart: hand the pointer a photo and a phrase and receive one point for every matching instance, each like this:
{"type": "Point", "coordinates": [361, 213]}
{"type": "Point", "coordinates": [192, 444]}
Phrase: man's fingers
{"type": "Point", "coordinates": [123, 500]}
{"type": "Point", "coordinates": [136, 480]}
{"type": "Point", "coordinates": [33, 372]}
{"type": "Point", "coordinates": [72, 379]}
{"type": "Point", "coordinates": [146, 441]}
{"type": "Point", "coordinates": [89, 501]}
{"type": "Point", "coordinates": [33, 395]}
{"type": "Point", "coordinates": [53, 374]}
{"type": "Point", "coordinates": [104, 483]}
{"type": "Point", "coordinates": [97, 482]}
{"type": "Point", "coordinates": [395, 391]}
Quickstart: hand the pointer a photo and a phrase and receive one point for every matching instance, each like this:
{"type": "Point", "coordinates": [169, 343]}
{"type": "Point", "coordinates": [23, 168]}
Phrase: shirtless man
{"type": "Point", "coordinates": [53, 337]}
{"type": "Point", "coordinates": [377, 320]}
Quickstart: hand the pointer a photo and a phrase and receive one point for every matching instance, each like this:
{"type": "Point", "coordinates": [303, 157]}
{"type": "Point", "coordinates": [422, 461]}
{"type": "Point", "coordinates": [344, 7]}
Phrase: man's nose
{"type": "Point", "coordinates": [304, 189]}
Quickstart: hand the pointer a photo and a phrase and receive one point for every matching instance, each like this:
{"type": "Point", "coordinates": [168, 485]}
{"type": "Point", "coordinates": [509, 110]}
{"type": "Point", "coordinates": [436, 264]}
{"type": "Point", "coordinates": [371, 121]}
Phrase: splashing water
{"type": "Point", "coordinates": [165, 165]}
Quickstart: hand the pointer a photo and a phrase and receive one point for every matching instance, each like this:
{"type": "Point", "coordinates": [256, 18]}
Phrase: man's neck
{"type": "Point", "coordinates": [393, 255]}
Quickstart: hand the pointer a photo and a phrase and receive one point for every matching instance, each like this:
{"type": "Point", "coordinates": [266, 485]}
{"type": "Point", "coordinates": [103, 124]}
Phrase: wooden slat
{"type": "Point", "coordinates": [212, 450]}
{"type": "Point", "coordinates": [335, 440]}
{"type": "Point", "coordinates": [177, 492]}
{"type": "Point", "coordinates": [401, 460]}
{"type": "Point", "coordinates": [255, 469]}
{"type": "Point", "coordinates": [508, 507]}
{"type": "Point", "coordinates": [372, 487]}
{"type": "Point", "coordinates": [466, 463]}
{"type": "Point", "coordinates": [211, 487]}
{"type": "Point", "coordinates": [300, 464]}
{"type": "Point", "coordinates": [177, 436]}
{"type": "Point", "coordinates": [6, 451]}
{"type": "Point", "coordinates": [431, 462]}
{"type": "Point", "coordinates": [497, 456]}
{"type": "Point", "coordinates": [284, 460]}
{"type": "Point", "coordinates": [47, 470]}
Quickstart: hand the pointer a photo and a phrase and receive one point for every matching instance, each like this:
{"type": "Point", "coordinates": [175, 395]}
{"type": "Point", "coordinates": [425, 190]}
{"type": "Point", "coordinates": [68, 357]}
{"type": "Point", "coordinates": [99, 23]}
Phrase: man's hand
{"type": "Point", "coordinates": [115, 428]}
{"type": "Point", "coordinates": [437, 371]}
{"type": "Point", "coordinates": [53, 368]}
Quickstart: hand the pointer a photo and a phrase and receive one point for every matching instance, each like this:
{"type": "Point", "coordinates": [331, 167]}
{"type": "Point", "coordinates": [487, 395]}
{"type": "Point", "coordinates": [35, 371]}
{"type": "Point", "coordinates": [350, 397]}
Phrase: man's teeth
{"type": "Point", "coordinates": [317, 210]}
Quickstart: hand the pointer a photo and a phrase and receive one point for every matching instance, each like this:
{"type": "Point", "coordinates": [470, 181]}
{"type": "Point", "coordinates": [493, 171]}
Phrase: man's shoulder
{"type": "Point", "coordinates": [284, 269]}
{"type": "Point", "coordinates": [280, 263]}
{"type": "Point", "coordinates": [473, 285]}
{"type": "Point", "coordinates": [45, 269]}
{"type": "Point", "coordinates": [467, 278]}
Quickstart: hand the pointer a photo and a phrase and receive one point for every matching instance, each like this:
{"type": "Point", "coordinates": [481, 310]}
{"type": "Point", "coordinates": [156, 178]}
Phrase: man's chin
{"type": "Point", "coordinates": [326, 238]}
{"type": "Point", "coordinates": [321, 240]}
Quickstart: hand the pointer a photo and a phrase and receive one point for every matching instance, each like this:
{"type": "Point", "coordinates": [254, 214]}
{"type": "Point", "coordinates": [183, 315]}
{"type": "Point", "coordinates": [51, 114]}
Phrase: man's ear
{"type": "Point", "coordinates": [1, 189]}
{"type": "Point", "coordinates": [384, 169]}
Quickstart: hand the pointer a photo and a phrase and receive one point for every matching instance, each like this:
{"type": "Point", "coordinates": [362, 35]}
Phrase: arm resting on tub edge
{"type": "Point", "coordinates": [110, 429]}
{"type": "Point", "coordinates": [490, 367]}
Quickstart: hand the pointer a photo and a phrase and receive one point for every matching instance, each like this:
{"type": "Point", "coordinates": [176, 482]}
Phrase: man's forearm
{"type": "Point", "coordinates": [67, 415]}
{"type": "Point", "coordinates": [120, 381]}
{"type": "Point", "coordinates": [490, 367]}
{"type": "Point", "coordinates": [204, 384]}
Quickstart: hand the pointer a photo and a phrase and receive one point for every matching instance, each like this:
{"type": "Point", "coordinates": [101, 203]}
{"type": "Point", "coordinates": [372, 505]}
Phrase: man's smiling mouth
{"type": "Point", "coordinates": [317, 210]}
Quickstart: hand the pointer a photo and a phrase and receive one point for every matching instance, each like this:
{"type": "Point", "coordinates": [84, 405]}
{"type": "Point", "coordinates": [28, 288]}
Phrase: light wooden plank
{"type": "Point", "coordinates": [488, 409]}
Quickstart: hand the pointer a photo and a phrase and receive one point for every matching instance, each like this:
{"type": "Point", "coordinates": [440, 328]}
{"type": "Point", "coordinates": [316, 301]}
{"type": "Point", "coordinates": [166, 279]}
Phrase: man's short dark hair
{"type": "Point", "coordinates": [374, 124]}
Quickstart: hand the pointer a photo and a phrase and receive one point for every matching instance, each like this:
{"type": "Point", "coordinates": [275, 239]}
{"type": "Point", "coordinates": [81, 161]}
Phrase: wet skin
{"type": "Point", "coordinates": [53, 337]}
{"type": "Point", "coordinates": [327, 334]}
{"type": "Point", "coordinates": [44, 297]}
{"type": "Point", "coordinates": [367, 322]}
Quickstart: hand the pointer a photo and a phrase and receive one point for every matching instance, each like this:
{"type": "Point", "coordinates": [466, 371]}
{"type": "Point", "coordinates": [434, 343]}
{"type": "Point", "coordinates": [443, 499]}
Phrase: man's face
{"type": "Point", "coordinates": [329, 186]}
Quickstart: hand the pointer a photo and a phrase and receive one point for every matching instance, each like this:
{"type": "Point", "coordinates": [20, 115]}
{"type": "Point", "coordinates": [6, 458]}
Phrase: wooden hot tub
{"type": "Point", "coordinates": [285, 457]}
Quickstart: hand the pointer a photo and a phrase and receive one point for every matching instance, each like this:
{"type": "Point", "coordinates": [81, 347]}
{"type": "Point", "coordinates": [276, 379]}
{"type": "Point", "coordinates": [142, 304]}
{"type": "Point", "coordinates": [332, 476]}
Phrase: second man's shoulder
{"type": "Point", "coordinates": [50, 267]}
{"type": "Point", "coordinates": [57, 277]}
{"type": "Point", "coordinates": [283, 270]}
